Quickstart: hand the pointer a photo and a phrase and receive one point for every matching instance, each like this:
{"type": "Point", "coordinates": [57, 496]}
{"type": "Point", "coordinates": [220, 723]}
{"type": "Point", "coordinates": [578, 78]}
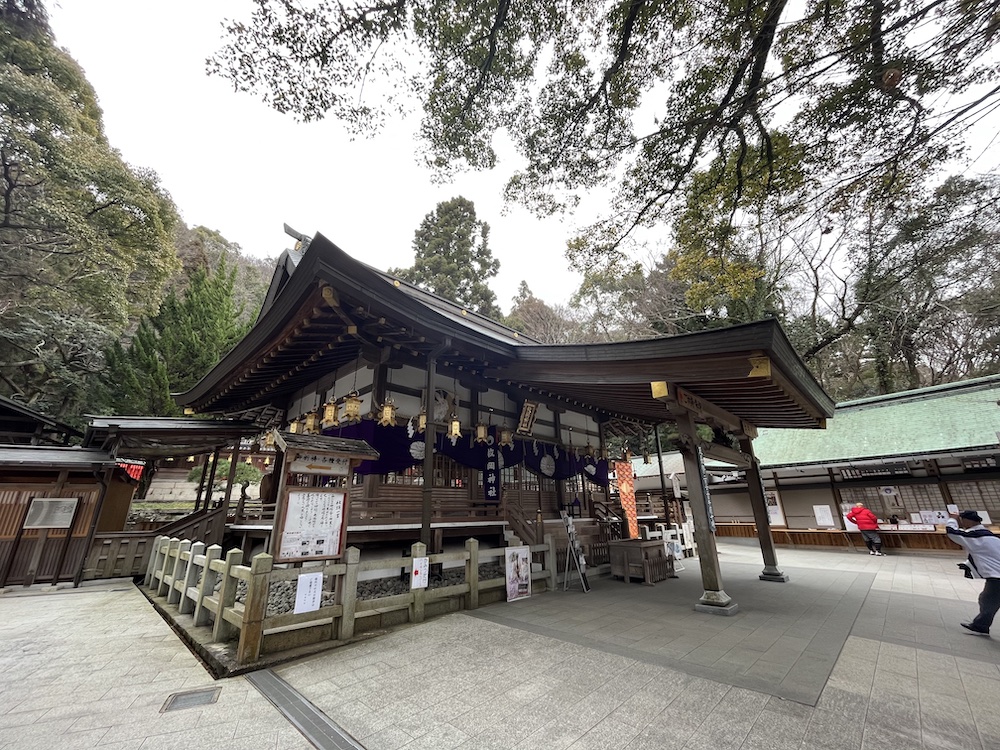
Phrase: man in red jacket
{"type": "Point", "coordinates": [867, 524]}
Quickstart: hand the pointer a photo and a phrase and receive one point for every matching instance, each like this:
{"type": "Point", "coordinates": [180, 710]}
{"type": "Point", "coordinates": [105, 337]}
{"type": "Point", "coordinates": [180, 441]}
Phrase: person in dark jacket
{"type": "Point", "coordinates": [867, 523]}
{"type": "Point", "coordinates": [966, 529]}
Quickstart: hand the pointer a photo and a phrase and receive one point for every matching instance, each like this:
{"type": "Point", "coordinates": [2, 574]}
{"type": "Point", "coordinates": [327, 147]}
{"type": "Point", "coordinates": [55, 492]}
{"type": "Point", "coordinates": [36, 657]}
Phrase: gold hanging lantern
{"type": "Point", "coordinates": [454, 427]}
{"type": "Point", "coordinates": [269, 439]}
{"type": "Point", "coordinates": [331, 413]}
{"type": "Point", "coordinates": [190, 459]}
{"type": "Point", "coordinates": [387, 414]}
{"type": "Point", "coordinates": [294, 427]}
{"type": "Point", "coordinates": [506, 438]}
{"type": "Point", "coordinates": [422, 420]}
{"type": "Point", "coordinates": [588, 450]}
{"type": "Point", "coordinates": [482, 433]}
{"type": "Point", "coordinates": [267, 461]}
{"type": "Point", "coordinates": [312, 423]}
{"type": "Point", "coordinates": [352, 408]}
{"type": "Point", "coordinates": [250, 460]}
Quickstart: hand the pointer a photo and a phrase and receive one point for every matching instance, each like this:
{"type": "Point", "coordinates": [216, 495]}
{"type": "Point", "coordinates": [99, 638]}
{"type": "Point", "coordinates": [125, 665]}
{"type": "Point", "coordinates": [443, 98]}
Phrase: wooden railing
{"type": "Point", "coordinates": [121, 554]}
{"type": "Point", "coordinates": [196, 579]}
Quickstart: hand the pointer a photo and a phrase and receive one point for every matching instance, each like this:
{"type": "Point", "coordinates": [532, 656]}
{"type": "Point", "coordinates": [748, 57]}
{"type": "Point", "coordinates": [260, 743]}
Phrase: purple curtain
{"type": "Point", "coordinates": [398, 451]}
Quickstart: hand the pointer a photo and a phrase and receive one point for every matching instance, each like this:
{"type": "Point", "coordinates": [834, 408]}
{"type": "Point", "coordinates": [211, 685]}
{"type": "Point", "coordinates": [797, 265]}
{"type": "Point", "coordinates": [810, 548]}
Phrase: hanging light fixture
{"type": "Point", "coordinates": [352, 408]}
{"type": "Point", "coordinates": [588, 449]}
{"type": "Point", "coordinates": [352, 404]}
{"type": "Point", "coordinates": [483, 430]}
{"type": "Point", "coordinates": [387, 414]}
{"type": "Point", "coordinates": [454, 427]}
{"type": "Point", "coordinates": [505, 438]}
{"type": "Point", "coordinates": [311, 425]}
{"type": "Point", "coordinates": [422, 419]}
{"type": "Point", "coordinates": [295, 427]}
{"type": "Point", "coordinates": [269, 439]}
{"type": "Point", "coordinates": [331, 413]}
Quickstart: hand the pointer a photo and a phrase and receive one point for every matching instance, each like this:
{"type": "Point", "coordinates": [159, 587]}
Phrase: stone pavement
{"type": "Point", "coordinates": [94, 666]}
{"type": "Point", "coordinates": [855, 652]}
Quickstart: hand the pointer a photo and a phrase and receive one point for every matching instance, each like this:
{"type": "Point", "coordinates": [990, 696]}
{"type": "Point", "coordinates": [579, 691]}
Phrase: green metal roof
{"type": "Point", "coordinates": [940, 419]}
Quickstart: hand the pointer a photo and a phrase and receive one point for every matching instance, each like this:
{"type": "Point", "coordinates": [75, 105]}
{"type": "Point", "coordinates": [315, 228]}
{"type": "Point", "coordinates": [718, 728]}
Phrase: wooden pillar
{"type": "Point", "coordinates": [755, 488]}
{"type": "Point", "coordinates": [233, 463]}
{"type": "Point", "coordinates": [714, 599]}
{"type": "Point", "coordinates": [663, 479]}
{"type": "Point", "coordinates": [560, 487]}
{"type": "Point", "coordinates": [430, 439]}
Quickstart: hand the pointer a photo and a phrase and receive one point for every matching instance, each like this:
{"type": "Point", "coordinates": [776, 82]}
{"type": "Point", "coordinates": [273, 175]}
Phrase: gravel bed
{"type": "Point", "coordinates": [281, 594]}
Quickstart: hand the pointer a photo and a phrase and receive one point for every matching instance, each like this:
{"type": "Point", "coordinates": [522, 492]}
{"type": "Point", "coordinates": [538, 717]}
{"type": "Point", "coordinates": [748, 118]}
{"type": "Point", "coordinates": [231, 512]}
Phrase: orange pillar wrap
{"type": "Point", "coordinates": [626, 491]}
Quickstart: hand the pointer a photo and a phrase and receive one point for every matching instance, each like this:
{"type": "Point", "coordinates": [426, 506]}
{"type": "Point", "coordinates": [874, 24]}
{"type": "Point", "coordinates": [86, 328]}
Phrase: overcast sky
{"type": "Point", "coordinates": [234, 165]}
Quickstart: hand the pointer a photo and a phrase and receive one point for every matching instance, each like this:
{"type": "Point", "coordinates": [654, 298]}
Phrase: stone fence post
{"type": "Point", "coordinates": [155, 561]}
{"type": "Point", "coordinates": [222, 630]}
{"type": "Point", "coordinates": [178, 571]}
{"type": "Point", "coordinates": [472, 573]}
{"type": "Point", "coordinates": [172, 544]}
{"type": "Point", "coordinates": [255, 609]}
{"type": "Point", "coordinates": [207, 586]}
{"type": "Point", "coordinates": [186, 603]}
{"type": "Point", "coordinates": [347, 593]}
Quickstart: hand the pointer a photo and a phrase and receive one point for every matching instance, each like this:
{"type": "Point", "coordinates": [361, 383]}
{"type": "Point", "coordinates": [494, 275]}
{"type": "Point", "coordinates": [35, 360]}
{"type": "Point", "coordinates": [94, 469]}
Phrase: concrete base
{"type": "Point", "coordinates": [779, 577]}
{"type": "Point", "coordinates": [713, 609]}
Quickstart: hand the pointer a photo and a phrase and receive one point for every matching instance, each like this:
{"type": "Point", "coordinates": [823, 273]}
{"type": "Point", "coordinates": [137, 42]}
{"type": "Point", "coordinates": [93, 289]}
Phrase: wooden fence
{"type": "Point", "coordinates": [118, 554]}
{"type": "Point", "coordinates": [199, 581]}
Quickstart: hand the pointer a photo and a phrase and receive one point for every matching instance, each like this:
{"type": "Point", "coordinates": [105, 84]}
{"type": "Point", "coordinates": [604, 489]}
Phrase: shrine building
{"type": "Point", "coordinates": [519, 428]}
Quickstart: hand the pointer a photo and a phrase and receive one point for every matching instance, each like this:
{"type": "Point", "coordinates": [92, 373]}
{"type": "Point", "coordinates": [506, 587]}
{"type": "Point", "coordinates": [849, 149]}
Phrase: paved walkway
{"type": "Point", "coordinates": [855, 652]}
{"type": "Point", "coordinates": [94, 666]}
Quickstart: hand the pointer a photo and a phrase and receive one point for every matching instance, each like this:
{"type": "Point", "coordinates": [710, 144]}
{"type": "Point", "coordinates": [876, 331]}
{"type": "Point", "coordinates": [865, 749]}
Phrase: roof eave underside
{"type": "Point", "coordinates": [332, 306]}
{"type": "Point", "coordinates": [164, 438]}
{"type": "Point", "coordinates": [718, 366]}
{"type": "Point", "coordinates": [306, 333]}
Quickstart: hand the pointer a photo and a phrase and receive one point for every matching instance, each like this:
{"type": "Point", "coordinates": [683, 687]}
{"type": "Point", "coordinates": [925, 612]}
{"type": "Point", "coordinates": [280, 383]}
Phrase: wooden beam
{"type": "Point", "coordinates": [700, 408]}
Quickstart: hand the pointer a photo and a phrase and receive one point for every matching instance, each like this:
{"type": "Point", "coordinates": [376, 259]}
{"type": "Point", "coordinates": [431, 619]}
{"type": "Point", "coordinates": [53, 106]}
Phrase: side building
{"type": "Point", "coordinates": [907, 455]}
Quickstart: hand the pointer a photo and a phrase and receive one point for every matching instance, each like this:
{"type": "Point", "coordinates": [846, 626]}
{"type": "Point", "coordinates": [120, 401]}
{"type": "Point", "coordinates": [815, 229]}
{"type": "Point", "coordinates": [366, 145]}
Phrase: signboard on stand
{"type": "Point", "coordinates": [312, 526]}
{"type": "Point", "coordinates": [312, 500]}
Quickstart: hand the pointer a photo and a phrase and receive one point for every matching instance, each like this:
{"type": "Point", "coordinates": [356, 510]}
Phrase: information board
{"type": "Point", "coordinates": [312, 525]}
{"type": "Point", "coordinates": [51, 513]}
{"type": "Point", "coordinates": [823, 514]}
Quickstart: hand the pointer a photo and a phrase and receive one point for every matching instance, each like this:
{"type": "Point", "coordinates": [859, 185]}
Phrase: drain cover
{"type": "Point", "coordinates": [191, 698]}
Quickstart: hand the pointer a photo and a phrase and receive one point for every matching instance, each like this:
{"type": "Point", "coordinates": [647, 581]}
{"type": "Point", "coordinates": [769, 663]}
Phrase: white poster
{"type": "Point", "coordinates": [308, 592]}
{"type": "Point", "coordinates": [313, 523]}
{"type": "Point", "coordinates": [419, 574]}
{"type": "Point", "coordinates": [775, 515]}
{"type": "Point", "coordinates": [824, 516]}
{"type": "Point", "coordinates": [934, 516]}
{"type": "Point", "coordinates": [518, 570]}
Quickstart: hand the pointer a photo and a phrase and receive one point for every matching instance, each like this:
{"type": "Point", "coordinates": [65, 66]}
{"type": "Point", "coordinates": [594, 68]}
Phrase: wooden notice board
{"type": "Point", "coordinates": [312, 506]}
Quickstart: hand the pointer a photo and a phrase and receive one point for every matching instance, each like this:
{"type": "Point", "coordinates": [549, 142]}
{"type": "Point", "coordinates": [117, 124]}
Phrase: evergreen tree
{"type": "Point", "coordinates": [174, 349]}
{"type": "Point", "coordinates": [453, 257]}
{"type": "Point", "coordinates": [85, 239]}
